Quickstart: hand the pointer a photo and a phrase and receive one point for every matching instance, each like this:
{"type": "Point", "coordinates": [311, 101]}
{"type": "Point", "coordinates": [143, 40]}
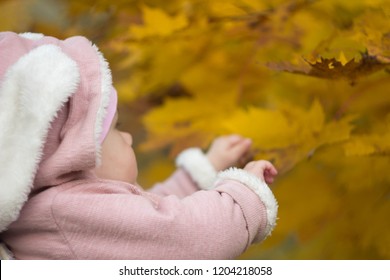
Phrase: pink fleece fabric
{"type": "Point", "coordinates": [72, 214]}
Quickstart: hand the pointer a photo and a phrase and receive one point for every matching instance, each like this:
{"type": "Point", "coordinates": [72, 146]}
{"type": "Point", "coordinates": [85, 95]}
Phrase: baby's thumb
{"type": "Point", "coordinates": [234, 139]}
{"type": "Point", "coordinates": [241, 148]}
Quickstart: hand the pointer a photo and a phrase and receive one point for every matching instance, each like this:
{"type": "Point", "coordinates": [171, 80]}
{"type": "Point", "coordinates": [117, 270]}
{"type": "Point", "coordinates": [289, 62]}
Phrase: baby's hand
{"type": "Point", "coordinates": [262, 169]}
{"type": "Point", "coordinates": [227, 151]}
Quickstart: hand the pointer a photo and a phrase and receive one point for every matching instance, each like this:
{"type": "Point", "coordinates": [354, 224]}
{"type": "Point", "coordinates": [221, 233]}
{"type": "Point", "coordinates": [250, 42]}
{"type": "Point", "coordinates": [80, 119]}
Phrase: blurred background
{"type": "Point", "coordinates": [308, 81]}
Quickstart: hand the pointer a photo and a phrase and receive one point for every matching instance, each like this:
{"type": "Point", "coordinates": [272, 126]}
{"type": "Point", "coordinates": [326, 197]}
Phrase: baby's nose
{"type": "Point", "coordinates": [128, 138]}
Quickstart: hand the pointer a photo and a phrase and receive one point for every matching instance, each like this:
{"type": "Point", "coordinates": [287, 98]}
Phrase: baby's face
{"type": "Point", "coordinates": [118, 158]}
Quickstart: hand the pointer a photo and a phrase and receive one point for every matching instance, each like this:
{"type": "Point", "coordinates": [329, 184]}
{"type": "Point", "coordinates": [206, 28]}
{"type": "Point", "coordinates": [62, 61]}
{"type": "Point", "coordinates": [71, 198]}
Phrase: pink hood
{"type": "Point", "coordinates": [54, 96]}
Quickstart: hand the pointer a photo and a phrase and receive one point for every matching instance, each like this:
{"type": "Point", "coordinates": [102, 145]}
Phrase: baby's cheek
{"type": "Point", "coordinates": [132, 169]}
{"type": "Point", "coordinates": [131, 159]}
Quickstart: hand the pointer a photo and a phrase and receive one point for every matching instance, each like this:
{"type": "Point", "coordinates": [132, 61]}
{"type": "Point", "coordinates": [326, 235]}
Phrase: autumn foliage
{"type": "Point", "coordinates": [308, 81]}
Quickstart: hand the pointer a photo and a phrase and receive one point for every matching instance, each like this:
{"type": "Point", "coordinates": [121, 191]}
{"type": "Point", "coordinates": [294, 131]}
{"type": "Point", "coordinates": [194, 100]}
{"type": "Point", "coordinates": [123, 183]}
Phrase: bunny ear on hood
{"type": "Point", "coordinates": [47, 85]}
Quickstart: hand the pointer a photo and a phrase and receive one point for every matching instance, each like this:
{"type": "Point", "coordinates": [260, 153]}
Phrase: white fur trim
{"type": "Point", "coordinates": [31, 36]}
{"type": "Point", "coordinates": [32, 91]}
{"type": "Point", "coordinates": [261, 189]}
{"type": "Point", "coordinates": [106, 84]}
{"type": "Point", "coordinates": [198, 166]}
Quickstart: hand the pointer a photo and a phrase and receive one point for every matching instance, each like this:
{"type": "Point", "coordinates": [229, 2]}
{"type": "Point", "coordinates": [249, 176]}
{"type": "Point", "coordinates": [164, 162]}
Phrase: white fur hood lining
{"type": "Point", "coordinates": [32, 91]}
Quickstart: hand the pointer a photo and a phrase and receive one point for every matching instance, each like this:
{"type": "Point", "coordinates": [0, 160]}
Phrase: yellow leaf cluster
{"type": "Point", "coordinates": [289, 135]}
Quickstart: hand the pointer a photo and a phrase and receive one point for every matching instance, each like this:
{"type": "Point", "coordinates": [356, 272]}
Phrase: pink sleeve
{"type": "Point", "coordinates": [217, 224]}
{"type": "Point", "coordinates": [180, 184]}
{"type": "Point", "coordinates": [195, 172]}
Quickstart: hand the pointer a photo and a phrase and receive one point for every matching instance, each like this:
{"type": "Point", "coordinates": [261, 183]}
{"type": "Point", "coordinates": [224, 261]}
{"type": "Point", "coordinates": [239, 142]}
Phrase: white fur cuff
{"type": "Point", "coordinates": [195, 162]}
{"type": "Point", "coordinates": [261, 189]}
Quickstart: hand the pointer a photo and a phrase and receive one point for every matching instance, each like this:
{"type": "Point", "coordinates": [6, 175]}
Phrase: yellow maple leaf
{"type": "Point", "coordinates": [368, 145]}
{"type": "Point", "coordinates": [187, 121]}
{"type": "Point", "coordinates": [158, 23]}
{"type": "Point", "coordinates": [312, 120]}
{"type": "Point", "coordinates": [343, 60]}
{"type": "Point", "coordinates": [264, 127]}
{"type": "Point", "coordinates": [372, 28]}
{"type": "Point", "coordinates": [290, 134]}
{"type": "Point", "coordinates": [225, 8]}
{"type": "Point", "coordinates": [337, 130]}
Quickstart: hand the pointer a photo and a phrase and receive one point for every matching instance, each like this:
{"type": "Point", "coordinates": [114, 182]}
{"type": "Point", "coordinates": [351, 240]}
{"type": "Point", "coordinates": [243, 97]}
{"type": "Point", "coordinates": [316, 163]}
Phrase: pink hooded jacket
{"type": "Point", "coordinates": [54, 96]}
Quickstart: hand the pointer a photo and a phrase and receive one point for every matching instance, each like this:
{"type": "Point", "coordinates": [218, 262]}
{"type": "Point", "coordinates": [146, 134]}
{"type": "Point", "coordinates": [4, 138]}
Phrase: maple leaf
{"type": "Point", "coordinates": [288, 135]}
{"type": "Point", "coordinates": [158, 23]}
{"type": "Point", "coordinates": [331, 68]}
{"type": "Point", "coordinates": [368, 145]}
{"type": "Point", "coordinates": [225, 8]}
{"type": "Point", "coordinates": [373, 29]}
{"type": "Point", "coordinates": [184, 122]}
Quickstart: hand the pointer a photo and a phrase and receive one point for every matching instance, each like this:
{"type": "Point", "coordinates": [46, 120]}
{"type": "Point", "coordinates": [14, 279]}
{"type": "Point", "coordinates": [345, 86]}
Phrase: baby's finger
{"type": "Point", "coordinates": [270, 173]}
{"type": "Point", "coordinates": [273, 170]}
{"type": "Point", "coordinates": [269, 168]}
{"type": "Point", "coordinates": [268, 180]}
{"type": "Point", "coordinates": [234, 139]}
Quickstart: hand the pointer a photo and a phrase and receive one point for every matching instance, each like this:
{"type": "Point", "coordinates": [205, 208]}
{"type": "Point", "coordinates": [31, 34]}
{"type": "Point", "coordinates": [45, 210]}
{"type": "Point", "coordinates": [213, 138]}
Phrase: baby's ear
{"type": "Point", "coordinates": [32, 91]}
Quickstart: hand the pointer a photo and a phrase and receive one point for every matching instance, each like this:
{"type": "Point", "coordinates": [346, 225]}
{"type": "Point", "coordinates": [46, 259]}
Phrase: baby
{"type": "Point", "coordinates": [68, 176]}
